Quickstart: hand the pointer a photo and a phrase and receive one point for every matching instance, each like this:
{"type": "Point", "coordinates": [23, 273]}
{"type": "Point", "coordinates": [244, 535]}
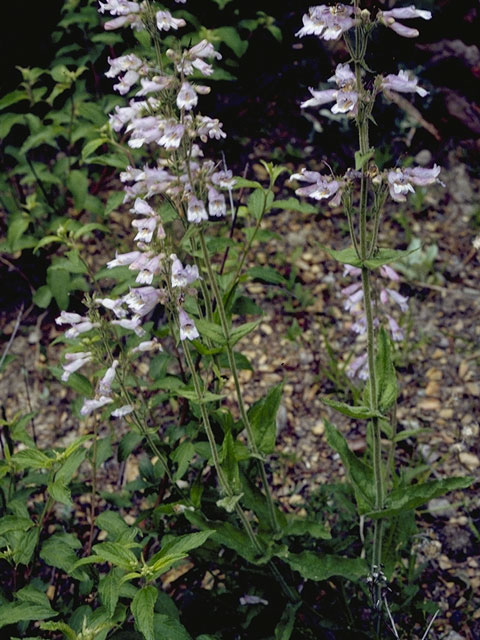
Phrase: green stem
{"type": "Point", "coordinates": [362, 124]}
{"type": "Point", "coordinates": [234, 370]}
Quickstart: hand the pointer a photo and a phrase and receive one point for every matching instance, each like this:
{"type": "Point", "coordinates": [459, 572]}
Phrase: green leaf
{"type": "Point", "coordinates": [12, 98]}
{"type": "Point", "coordinates": [229, 461]}
{"type": "Point", "coordinates": [225, 534]}
{"type": "Point", "coordinates": [407, 498]}
{"type": "Point", "coordinates": [42, 296]}
{"type": "Point", "coordinates": [91, 146]}
{"type": "Point", "coordinates": [181, 544]}
{"type": "Point", "coordinates": [210, 330]}
{"type": "Point", "coordinates": [25, 547]}
{"type": "Point", "coordinates": [17, 225]}
{"type": "Point", "coordinates": [262, 416]}
{"type": "Point", "coordinates": [361, 413]}
{"type": "Point", "coordinates": [183, 456]}
{"type": "Point", "coordinates": [67, 631]}
{"type": "Point", "coordinates": [115, 199]}
{"type": "Point", "coordinates": [60, 492]}
{"type": "Point", "coordinates": [292, 204]}
{"type": "Point", "coordinates": [116, 553]}
{"type": "Point", "coordinates": [284, 629]}
{"type": "Point", "coordinates": [266, 274]}
{"type": "Point", "coordinates": [385, 371]}
{"type": "Point", "coordinates": [297, 526]}
{"type": "Point", "coordinates": [256, 203]}
{"type": "Point", "coordinates": [77, 183]}
{"type": "Point", "coordinates": [318, 567]}
{"type": "Point", "coordinates": [244, 329]}
{"type": "Point", "coordinates": [241, 361]}
{"type": "Point", "coordinates": [7, 121]}
{"type": "Point", "coordinates": [142, 609]}
{"type": "Point", "coordinates": [87, 229]}
{"type": "Point", "coordinates": [360, 474]}
{"type": "Point", "coordinates": [168, 627]}
{"type": "Point", "coordinates": [59, 551]}
{"type": "Point", "coordinates": [229, 502]}
{"type": "Point", "coordinates": [113, 523]}
{"type": "Point", "coordinates": [32, 459]}
{"type": "Point", "coordinates": [12, 613]}
{"type": "Point", "coordinates": [362, 158]}
{"type": "Point", "coordinates": [128, 443]}
{"type": "Point", "coordinates": [386, 256]}
{"type": "Point", "coordinates": [109, 589]}
{"type": "Point", "coordinates": [14, 523]}
{"type": "Point", "coordinates": [230, 36]}
{"type": "Point", "coordinates": [58, 281]}
{"type": "Point", "coordinates": [344, 256]}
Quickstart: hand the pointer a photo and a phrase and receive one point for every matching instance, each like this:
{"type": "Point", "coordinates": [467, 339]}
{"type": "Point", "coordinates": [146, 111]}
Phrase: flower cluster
{"type": "Point", "coordinates": [345, 97]}
{"type": "Point", "coordinates": [353, 294]}
{"type": "Point", "coordinates": [161, 115]}
{"type": "Point", "coordinates": [327, 22]}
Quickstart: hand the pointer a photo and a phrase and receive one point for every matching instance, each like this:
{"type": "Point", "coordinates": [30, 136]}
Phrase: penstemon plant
{"type": "Point", "coordinates": [160, 344]}
{"type": "Point", "coordinates": [355, 97]}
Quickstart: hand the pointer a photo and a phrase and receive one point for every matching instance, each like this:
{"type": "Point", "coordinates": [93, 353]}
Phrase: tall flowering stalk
{"type": "Point", "coordinates": [356, 101]}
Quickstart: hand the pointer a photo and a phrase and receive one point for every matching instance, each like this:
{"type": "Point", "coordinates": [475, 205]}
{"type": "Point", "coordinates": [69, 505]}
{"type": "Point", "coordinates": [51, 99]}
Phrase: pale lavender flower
{"type": "Point", "coordinates": [122, 411]}
{"type": "Point", "coordinates": [211, 127]}
{"type": "Point", "coordinates": [359, 367]}
{"type": "Point", "coordinates": [91, 405]}
{"type": "Point", "coordinates": [217, 207]}
{"type": "Point", "coordinates": [165, 21]}
{"type": "Point", "coordinates": [196, 211]}
{"type": "Point", "coordinates": [387, 293]}
{"type": "Point", "coordinates": [146, 228]}
{"type": "Point", "coordinates": [188, 330]}
{"type": "Point", "coordinates": [397, 333]}
{"type": "Point", "coordinates": [142, 300]}
{"type": "Point", "coordinates": [248, 599]}
{"type": "Point", "coordinates": [153, 85]}
{"type": "Point", "coordinates": [67, 317]}
{"type": "Point", "coordinates": [113, 305]}
{"type": "Point", "coordinates": [187, 97]}
{"type": "Point", "coordinates": [104, 387]}
{"type": "Point", "coordinates": [345, 97]}
{"type": "Point", "coordinates": [128, 62]}
{"type": "Point", "coordinates": [327, 22]}
{"type": "Point", "coordinates": [182, 276]}
{"type": "Point", "coordinates": [147, 345]}
{"type": "Point", "coordinates": [151, 268]}
{"type": "Point", "coordinates": [402, 83]}
{"type": "Point", "coordinates": [223, 179]}
{"type": "Point", "coordinates": [126, 82]}
{"type": "Point", "coordinates": [132, 324]}
{"type": "Point", "coordinates": [172, 135]}
{"type": "Point", "coordinates": [119, 7]}
{"type": "Point", "coordinates": [320, 187]}
{"type": "Point", "coordinates": [389, 19]}
{"type": "Point", "coordinates": [401, 181]}
{"type": "Point", "coordinates": [388, 272]}
{"type": "Point", "coordinates": [81, 327]}
{"type": "Point", "coordinates": [123, 259]}
{"type": "Point", "coordinates": [74, 362]}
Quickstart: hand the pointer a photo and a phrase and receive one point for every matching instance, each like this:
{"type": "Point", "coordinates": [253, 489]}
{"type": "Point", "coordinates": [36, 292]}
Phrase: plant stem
{"type": "Point", "coordinates": [234, 370]}
{"type": "Point", "coordinates": [362, 124]}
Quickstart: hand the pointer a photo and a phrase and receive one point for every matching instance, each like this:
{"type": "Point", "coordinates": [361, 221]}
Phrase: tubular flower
{"type": "Point", "coordinates": [389, 19]}
{"type": "Point", "coordinates": [165, 21]}
{"type": "Point", "coordinates": [188, 330]}
{"type": "Point", "coordinates": [401, 181]}
{"type": "Point", "coordinates": [403, 84]}
{"type": "Point", "coordinates": [320, 187]}
{"type": "Point", "coordinates": [326, 22]}
{"type": "Point", "coordinates": [345, 97]}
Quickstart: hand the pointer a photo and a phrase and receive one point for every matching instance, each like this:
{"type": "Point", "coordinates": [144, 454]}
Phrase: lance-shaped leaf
{"type": "Point", "coordinates": [117, 553]}
{"type": "Point", "coordinates": [361, 413]}
{"type": "Point", "coordinates": [317, 566]}
{"type": "Point", "coordinates": [407, 498]}
{"type": "Point", "coordinates": [178, 548]}
{"type": "Point", "coordinates": [142, 609]}
{"type": "Point", "coordinates": [262, 416]}
{"type": "Point", "coordinates": [284, 629]}
{"type": "Point", "coordinates": [360, 474]}
{"type": "Point", "coordinates": [386, 378]}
